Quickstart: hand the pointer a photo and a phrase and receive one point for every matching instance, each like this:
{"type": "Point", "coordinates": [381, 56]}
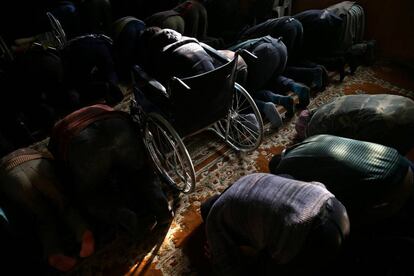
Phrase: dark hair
{"type": "Point", "coordinates": [163, 38]}
{"type": "Point", "coordinates": [327, 233]}
{"type": "Point", "coordinates": [146, 36]}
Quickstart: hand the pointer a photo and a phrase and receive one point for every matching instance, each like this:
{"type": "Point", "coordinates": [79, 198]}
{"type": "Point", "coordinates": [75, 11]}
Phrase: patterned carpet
{"type": "Point", "coordinates": [178, 249]}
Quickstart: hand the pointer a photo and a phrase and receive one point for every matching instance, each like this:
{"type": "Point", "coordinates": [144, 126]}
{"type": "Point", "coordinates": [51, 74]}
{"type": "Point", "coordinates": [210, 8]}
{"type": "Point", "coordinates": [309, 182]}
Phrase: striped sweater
{"type": "Point", "coordinates": [265, 212]}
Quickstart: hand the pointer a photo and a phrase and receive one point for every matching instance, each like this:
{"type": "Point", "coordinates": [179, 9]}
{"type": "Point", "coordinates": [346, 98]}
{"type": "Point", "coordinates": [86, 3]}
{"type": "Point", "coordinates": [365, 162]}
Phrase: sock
{"type": "Point", "coordinates": [88, 244]}
{"type": "Point", "coordinates": [272, 115]}
{"type": "Point", "coordinates": [288, 103]}
{"type": "Point", "coordinates": [249, 120]}
{"type": "Point", "coordinates": [317, 82]}
{"type": "Point", "coordinates": [303, 93]}
{"type": "Point", "coordinates": [325, 77]}
{"type": "Point", "coordinates": [61, 262]}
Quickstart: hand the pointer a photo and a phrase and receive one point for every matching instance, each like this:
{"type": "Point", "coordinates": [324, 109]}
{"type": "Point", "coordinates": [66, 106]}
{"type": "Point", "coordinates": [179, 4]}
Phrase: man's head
{"type": "Point", "coordinates": [156, 38]}
{"type": "Point", "coordinates": [323, 242]}
{"type": "Point", "coordinates": [329, 231]}
{"type": "Point", "coordinates": [146, 36]}
{"type": "Point", "coordinates": [152, 41]}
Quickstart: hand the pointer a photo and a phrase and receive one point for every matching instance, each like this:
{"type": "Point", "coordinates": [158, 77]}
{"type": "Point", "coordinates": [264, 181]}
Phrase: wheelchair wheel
{"type": "Point", "coordinates": [243, 128]}
{"type": "Point", "coordinates": [169, 154]}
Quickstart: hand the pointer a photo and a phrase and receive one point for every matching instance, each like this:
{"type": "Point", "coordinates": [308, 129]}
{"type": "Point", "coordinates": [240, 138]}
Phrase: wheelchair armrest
{"type": "Point", "coordinates": [246, 55]}
{"type": "Point", "coordinates": [215, 53]}
{"type": "Point", "coordinates": [143, 79]}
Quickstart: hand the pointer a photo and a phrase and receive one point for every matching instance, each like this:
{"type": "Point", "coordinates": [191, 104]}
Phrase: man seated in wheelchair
{"type": "Point", "coordinates": [164, 54]}
{"type": "Point", "coordinates": [169, 54]}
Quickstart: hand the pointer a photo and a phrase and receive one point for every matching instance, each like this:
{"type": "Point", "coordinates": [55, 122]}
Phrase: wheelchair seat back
{"type": "Point", "coordinates": [201, 100]}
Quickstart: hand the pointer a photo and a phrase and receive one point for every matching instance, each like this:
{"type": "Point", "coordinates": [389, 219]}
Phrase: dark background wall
{"type": "Point", "coordinates": [390, 22]}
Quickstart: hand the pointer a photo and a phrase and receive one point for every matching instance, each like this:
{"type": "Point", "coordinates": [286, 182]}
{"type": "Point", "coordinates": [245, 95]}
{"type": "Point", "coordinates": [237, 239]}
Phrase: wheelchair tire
{"type": "Point", "coordinates": [169, 153]}
{"type": "Point", "coordinates": [243, 134]}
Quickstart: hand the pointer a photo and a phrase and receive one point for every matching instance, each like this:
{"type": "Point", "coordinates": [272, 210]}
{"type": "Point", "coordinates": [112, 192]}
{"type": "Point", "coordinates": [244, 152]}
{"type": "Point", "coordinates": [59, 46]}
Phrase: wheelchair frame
{"type": "Point", "coordinates": [167, 148]}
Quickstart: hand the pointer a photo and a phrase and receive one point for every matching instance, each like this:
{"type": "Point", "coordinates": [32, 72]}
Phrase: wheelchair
{"type": "Point", "coordinates": [168, 115]}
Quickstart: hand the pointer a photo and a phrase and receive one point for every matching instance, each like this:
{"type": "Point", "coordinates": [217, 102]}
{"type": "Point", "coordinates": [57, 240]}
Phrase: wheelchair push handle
{"type": "Point", "coordinates": [57, 30]}
{"type": "Point", "coordinates": [5, 51]}
{"type": "Point", "coordinates": [181, 83]}
{"type": "Point", "coordinates": [246, 55]}
{"type": "Point", "coordinates": [222, 57]}
{"type": "Point", "coordinates": [215, 53]}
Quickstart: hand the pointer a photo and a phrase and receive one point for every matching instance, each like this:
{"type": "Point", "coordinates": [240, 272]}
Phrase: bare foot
{"type": "Point", "coordinates": [88, 244]}
{"type": "Point", "coordinates": [61, 262]}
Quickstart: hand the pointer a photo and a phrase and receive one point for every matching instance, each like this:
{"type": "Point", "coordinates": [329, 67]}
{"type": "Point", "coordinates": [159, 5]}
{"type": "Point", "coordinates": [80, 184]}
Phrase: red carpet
{"type": "Point", "coordinates": [178, 249]}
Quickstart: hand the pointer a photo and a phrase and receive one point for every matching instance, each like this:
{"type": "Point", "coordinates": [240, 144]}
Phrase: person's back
{"type": "Point", "coordinates": [32, 196]}
{"type": "Point", "coordinates": [110, 177]}
{"type": "Point", "coordinates": [321, 32]}
{"type": "Point", "coordinates": [381, 118]}
{"type": "Point", "coordinates": [372, 180]}
{"type": "Point", "coordinates": [272, 215]}
{"type": "Point", "coordinates": [271, 60]}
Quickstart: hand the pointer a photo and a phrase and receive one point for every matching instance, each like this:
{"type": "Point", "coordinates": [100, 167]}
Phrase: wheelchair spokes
{"type": "Point", "coordinates": [173, 163]}
{"type": "Point", "coordinates": [244, 130]}
{"type": "Point", "coordinates": [240, 103]}
{"type": "Point", "coordinates": [169, 153]}
{"type": "Point", "coordinates": [243, 127]}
